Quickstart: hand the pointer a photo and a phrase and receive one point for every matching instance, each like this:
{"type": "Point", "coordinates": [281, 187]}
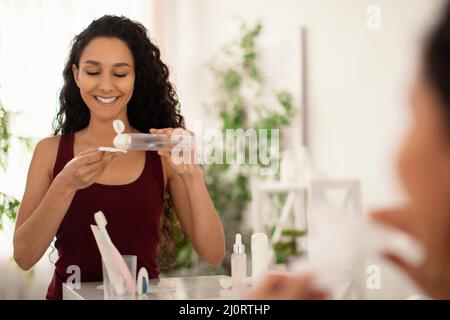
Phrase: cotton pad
{"type": "Point", "coordinates": [110, 149]}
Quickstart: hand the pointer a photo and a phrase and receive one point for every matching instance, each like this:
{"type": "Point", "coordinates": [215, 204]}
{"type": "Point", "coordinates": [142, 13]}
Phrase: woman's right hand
{"type": "Point", "coordinates": [85, 168]}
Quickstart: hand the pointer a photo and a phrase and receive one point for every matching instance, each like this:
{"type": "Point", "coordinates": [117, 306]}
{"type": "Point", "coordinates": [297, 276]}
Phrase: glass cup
{"type": "Point", "coordinates": [108, 289]}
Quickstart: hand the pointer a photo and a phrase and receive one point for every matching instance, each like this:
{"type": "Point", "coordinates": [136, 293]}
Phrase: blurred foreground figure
{"type": "Point", "coordinates": [424, 170]}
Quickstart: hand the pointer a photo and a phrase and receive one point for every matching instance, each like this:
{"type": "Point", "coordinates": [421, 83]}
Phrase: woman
{"type": "Point", "coordinates": [424, 169]}
{"type": "Point", "coordinates": [113, 72]}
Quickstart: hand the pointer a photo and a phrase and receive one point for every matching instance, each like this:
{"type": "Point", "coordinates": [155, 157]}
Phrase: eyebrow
{"type": "Point", "coordinates": [118, 64]}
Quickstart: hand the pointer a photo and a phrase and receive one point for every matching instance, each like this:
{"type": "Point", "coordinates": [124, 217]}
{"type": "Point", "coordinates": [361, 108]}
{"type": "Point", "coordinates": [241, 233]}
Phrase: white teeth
{"type": "Point", "coordinates": [106, 100]}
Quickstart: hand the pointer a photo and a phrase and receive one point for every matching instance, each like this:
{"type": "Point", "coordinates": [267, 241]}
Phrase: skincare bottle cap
{"type": "Point", "coordinates": [118, 126]}
{"type": "Point", "coordinates": [238, 247]}
{"type": "Point", "coordinates": [122, 141]}
{"type": "Point", "coordinates": [259, 241]}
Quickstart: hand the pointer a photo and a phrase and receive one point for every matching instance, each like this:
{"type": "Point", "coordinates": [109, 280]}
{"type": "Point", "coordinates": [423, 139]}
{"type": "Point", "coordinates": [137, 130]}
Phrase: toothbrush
{"type": "Point", "coordinates": [111, 269]}
{"type": "Point", "coordinates": [114, 260]}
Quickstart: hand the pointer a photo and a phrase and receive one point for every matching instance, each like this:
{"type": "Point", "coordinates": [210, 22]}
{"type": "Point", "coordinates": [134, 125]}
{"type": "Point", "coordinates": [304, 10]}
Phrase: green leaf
{"type": "Point", "coordinates": [9, 207]}
{"type": "Point", "coordinates": [295, 233]}
{"type": "Point", "coordinates": [28, 142]}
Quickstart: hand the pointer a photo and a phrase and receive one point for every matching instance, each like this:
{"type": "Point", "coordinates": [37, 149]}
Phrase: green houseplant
{"type": "Point", "coordinates": [287, 246]}
{"type": "Point", "coordinates": [229, 187]}
{"type": "Point", "coordinates": [9, 205]}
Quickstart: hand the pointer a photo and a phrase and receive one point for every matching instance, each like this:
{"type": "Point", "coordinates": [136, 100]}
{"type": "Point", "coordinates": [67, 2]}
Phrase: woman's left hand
{"type": "Point", "coordinates": [279, 286]}
{"type": "Point", "coordinates": [431, 230]}
{"type": "Point", "coordinates": [182, 160]}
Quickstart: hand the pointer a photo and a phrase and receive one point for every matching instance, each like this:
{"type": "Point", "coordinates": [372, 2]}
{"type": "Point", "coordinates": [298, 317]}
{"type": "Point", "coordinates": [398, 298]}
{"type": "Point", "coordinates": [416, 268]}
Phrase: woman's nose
{"type": "Point", "coordinates": [106, 83]}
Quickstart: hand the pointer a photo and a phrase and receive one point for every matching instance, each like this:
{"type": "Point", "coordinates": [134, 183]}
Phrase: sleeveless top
{"type": "Point", "coordinates": [133, 212]}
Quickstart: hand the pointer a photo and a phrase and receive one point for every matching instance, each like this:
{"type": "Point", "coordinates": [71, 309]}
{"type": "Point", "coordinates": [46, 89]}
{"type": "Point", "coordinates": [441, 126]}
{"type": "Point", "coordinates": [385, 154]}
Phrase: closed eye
{"type": "Point", "coordinates": [121, 75]}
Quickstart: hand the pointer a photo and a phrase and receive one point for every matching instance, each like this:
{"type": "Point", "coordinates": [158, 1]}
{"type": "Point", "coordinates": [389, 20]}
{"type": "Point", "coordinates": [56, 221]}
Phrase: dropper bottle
{"type": "Point", "coordinates": [238, 263]}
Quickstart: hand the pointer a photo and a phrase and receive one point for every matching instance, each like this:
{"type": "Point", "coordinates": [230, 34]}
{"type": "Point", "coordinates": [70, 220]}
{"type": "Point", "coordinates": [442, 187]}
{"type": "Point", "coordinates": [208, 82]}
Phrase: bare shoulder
{"type": "Point", "coordinates": [48, 146]}
{"type": "Point", "coordinates": [45, 153]}
{"type": "Point", "coordinates": [49, 142]}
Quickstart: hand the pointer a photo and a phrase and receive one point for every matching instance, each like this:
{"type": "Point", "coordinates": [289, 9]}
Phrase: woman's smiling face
{"type": "Point", "coordinates": [105, 77]}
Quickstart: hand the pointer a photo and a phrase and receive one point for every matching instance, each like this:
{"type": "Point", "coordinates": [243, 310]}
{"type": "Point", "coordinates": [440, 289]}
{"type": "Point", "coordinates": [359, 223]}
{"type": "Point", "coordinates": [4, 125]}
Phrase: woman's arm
{"type": "Point", "coordinates": [193, 206]}
{"type": "Point", "coordinates": [42, 208]}
{"type": "Point", "coordinates": [197, 215]}
{"type": "Point", "coordinates": [46, 201]}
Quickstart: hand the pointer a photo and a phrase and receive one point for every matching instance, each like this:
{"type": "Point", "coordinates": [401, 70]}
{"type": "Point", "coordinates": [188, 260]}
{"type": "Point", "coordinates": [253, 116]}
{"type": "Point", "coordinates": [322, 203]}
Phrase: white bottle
{"type": "Point", "coordinates": [238, 263]}
{"type": "Point", "coordinates": [260, 256]}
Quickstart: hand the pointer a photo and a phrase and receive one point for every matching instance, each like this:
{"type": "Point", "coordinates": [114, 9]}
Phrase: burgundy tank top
{"type": "Point", "coordinates": [133, 212]}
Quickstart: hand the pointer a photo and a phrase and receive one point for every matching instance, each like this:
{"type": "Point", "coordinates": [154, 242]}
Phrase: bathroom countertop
{"type": "Point", "coordinates": [185, 288]}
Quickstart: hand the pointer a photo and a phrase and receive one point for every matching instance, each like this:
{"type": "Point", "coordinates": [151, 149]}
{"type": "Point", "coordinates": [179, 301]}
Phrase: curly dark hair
{"type": "Point", "coordinates": [154, 103]}
{"type": "Point", "coordinates": [437, 58]}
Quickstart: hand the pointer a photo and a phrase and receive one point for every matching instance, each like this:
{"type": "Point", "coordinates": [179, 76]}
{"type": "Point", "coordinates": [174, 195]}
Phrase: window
{"type": "Point", "coordinates": [35, 39]}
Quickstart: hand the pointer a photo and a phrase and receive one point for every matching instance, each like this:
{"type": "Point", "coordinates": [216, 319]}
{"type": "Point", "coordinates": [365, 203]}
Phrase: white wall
{"type": "Point", "coordinates": [357, 79]}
